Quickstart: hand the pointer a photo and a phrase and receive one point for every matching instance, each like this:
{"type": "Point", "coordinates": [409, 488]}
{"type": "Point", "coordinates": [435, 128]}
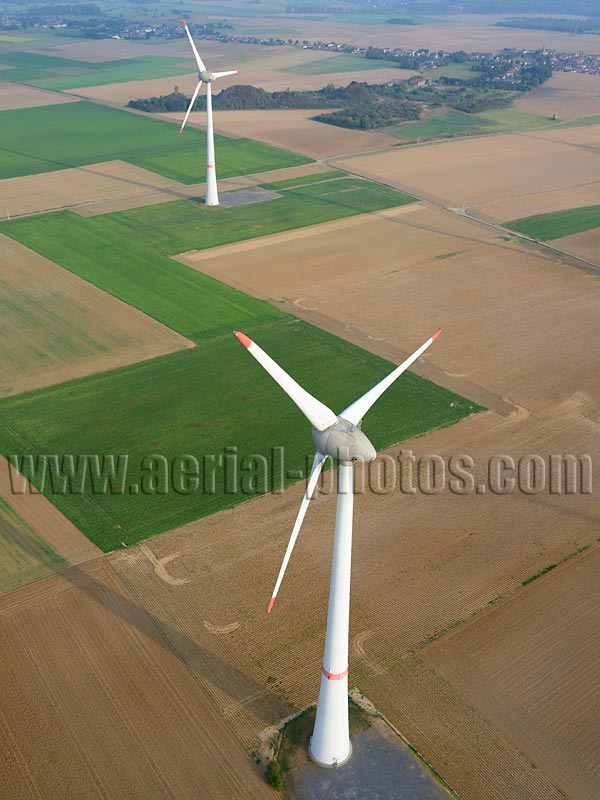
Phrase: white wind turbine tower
{"type": "Point", "coordinates": [339, 437]}
{"type": "Point", "coordinates": [204, 75]}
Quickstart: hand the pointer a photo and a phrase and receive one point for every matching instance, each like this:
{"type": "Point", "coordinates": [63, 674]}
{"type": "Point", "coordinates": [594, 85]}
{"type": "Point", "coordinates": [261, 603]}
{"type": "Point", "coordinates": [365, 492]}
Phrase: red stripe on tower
{"type": "Point", "coordinates": [335, 676]}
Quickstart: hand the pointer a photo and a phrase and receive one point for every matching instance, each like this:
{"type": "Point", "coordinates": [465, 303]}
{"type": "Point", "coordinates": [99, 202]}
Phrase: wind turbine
{"type": "Point", "coordinates": [340, 437]}
{"type": "Point", "coordinates": [204, 75]}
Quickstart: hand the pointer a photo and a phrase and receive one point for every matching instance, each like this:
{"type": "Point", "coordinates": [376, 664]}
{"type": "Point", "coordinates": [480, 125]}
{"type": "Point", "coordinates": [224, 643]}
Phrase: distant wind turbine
{"type": "Point", "coordinates": [204, 75]}
{"type": "Point", "coordinates": [339, 437]}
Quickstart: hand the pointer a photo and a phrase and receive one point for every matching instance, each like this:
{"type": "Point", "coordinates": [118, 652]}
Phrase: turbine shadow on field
{"type": "Point", "coordinates": [204, 664]}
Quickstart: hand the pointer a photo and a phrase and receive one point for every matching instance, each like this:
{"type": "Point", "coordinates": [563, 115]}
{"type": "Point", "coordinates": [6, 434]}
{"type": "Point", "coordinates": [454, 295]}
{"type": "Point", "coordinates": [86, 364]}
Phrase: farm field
{"type": "Point", "coordinates": [142, 275]}
{"type": "Point", "coordinates": [19, 96]}
{"type": "Point", "coordinates": [450, 123]}
{"type": "Point", "coordinates": [55, 327]}
{"type": "Point", "coordinates": [558, 224]}
{"type": "Point", "coordinates": [85, 186]}
{"type": "Point", "coordinates": [57, 73]}
{"type": "Point", "coordinates": [295, 130]}
{"type": "Point", "coordinates": [529, 664]}
{"type": "Point", "coordinates": [97, 680]}
{"type": "Point", "coordinates": [34, 141]}
{"type": "Point", "coordinates": [569, 95]}
{"type": "Point", "coordinates": [344, 63]}
{"type": "Point", "coordinates": [584, 245]}
{"type": "Point", "coordinates": [441, 558]}
{"type": "Point", "coordinates": [271, 67]}
{"type": "Point", "coordinates": [538, 203]}
{"type": "Point", "coordinates": [37, 532]}
{"type": "Point", "coordinates": [153, 398]}
{"type": "Point", "coordinates": [400, 599]}
{"type": "Point", "coordinates": [24, 555]}
{"type": "Point", "coordinates": [481, 170]}
{"type": "Point", "coordinates": [454, 123]}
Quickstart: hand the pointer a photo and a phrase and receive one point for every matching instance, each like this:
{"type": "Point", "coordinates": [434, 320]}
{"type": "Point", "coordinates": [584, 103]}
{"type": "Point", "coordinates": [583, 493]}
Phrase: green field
{"type": "Point", "coordinates": [53, 72]}
{"type": "Point", "coordinates": [450, 123]}
{"type": "Point", "coordinates": [455, 123]}
{"type": "Point", "coordinates": [338, 63]}
{"type": "Point", "coordinates": [592, 119]}
{"type": "Point", "coordinates": [55, 137]}
{"type": "Point", "coordinates": [24, 555]}
{"type": "Point", "coordinates": [214, 396]}
{"type": "Point", "coordinates": [15, 39]}
{"type": "Point", "coordinates": [502, 120]}
{"type": "Point", "coordinates": [463, 72]}
{"type": "Point", "coordinates": [557, 224]}
{"type": "Point", "coordinates": [302, 180]}
{"type": "Point", "coordinates": [126, 253]}
{"type": "Point", "coordinates": [199, 402]}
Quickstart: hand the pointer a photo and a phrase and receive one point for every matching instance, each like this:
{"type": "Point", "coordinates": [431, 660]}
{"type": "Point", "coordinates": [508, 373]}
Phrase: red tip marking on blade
{"type": "Point", "coordinates": [246, 342]}
{"type": "Point", "coordinates": [436, 334]}
{"type": "Point", "coordinates": [271, 604]}
{"type": "Point", "coordinates": [181, 129]}
{"type": "Point", "coordinates": [184, 23]}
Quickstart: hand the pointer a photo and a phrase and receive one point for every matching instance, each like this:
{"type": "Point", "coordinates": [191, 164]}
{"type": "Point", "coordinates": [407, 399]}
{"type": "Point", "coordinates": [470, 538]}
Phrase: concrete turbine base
{"type": "Point", "coordinates": [333, 765]}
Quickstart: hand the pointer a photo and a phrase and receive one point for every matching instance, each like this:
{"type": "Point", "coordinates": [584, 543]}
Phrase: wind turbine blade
{"type": "Point", "coordinates": [199, 61]}
{"type": "Point", "coordinates": [312, 482]}
{"type": "Point", "coordinates": [193, 100]}
{"type": "Point", "coordinates": [223, 74]}
{"type": "Point", "coordinates": [355, 412]}
{"type": "Point", "coordinates": [317, 413]}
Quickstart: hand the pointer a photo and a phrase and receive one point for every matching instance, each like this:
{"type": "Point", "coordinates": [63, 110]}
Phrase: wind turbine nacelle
{"type": "Point", "coordinates": [344, 441]}
{"type": "Point", "coordinates": [205, 76]}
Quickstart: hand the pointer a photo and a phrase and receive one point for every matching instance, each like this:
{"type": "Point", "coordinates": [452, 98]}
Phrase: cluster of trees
{"type": "Point", "coordinates": [245, 97]}
{"type": "Point", "coordinates": [373, 113]}
{"type": "Point", "coordinates": [403, 21]}
{"type": "Point", "coordinates": [552, 24]}
{"type": "Point", "coordinates": [358, 105]}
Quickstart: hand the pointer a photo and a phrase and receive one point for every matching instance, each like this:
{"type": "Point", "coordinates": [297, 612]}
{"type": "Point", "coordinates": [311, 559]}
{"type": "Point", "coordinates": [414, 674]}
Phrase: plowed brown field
{"type": "Point", "coordinates": [54, 326]}
{"type": "Point", "coordinates": [96, 704]}
{"type": "Point", "coordinates": [531, 665]}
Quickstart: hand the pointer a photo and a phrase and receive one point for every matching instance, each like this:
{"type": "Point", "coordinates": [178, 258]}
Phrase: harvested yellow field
{"type": "Point", "coordinates": [55, 326]}
{"type": "Point", "coordinates": [107, 181]}
{"type": "Point", "coordinates": [17, 95]}
{"type": "Point", "coordinates": [531, 666]}
{"type": "Point", "coordinates": [97, 705]}
{"type": "Point", "coordinates": [569, 95]}
{"type": "Point", "coordinates": [332, 252]}
{"type": "Point", "coordinates": [358, 277]}
{"type": "Point", "coordinates": [584, 245]}
{"type": "Point", "coordinates": [472, 171]}
{"type": "Point", "coordinates": [584, 136]}
{"type": "Point", "coordinates": [538, 203]}
{"type": "Point", "coordinates": [294, 130]}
